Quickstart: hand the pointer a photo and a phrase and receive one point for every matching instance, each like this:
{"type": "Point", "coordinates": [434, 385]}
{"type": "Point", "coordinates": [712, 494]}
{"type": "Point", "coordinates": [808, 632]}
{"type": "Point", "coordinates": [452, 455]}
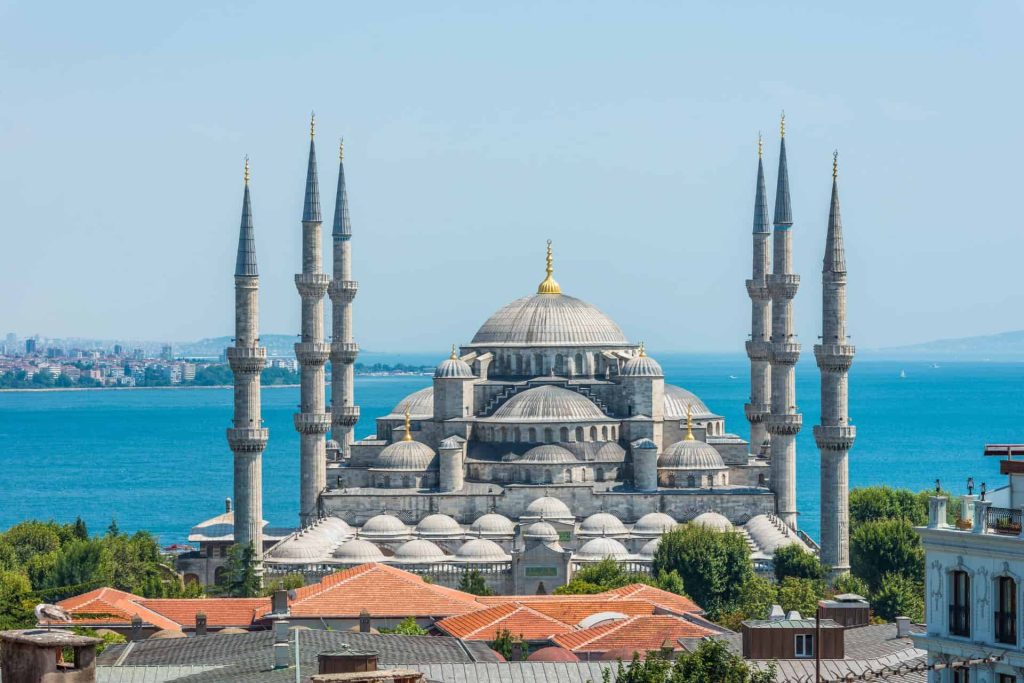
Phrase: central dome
{"type": "Point", "coordinates": [549, 320]}
{"type": "Point", "coordinates": [548, 404]}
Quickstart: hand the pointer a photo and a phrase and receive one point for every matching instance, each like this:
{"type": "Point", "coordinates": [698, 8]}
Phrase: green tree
{"type": "Point", "coordinates": [713, 565]}
{"type": "Point", "coordinates": [239, 579]}
{"type": "Point", "coordinates": [801, 595]}
{"type": "Point", "coordinates": [899, 596]}
{"type": "Point", "coordinates": [15, 601]}
{"type": "Point", "coordinates": [886, 546]}
{"type": "Point", "coordinates": [406, 627]}
{"type": "Point", "coordinates": [472, 582]}
{"type": "Point", "coordinates": [793, 560]}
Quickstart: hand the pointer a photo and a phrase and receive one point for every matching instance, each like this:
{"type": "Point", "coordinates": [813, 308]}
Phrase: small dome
{"type": "Point", "coordinates": [419, 550]}
{"type": "Point", "coordinates": [552, 654]}
{"type": "Point", "coordinates": [358, 551]}
{"type": "Point", "coordinates": [438, 525]}
{"type": "Point", "coordinates": [549, 507]}
{"type": "Point", "coordinates": [407, 455]}
{"type": "Point", "coordinates": [713, 520]}
{"type": "Point", "coordinates": [384, 526]}
{"type": "Point", "coordinates": [602, 524]}
{"type": "Point", "coordinates": [493, 524]}
{"type": "Point", "coordinates": [691, 454]}
{"type": "Point", "coordinates": [654, 523]}
{"type": "Point", "coordinates": [548, 454]}
{"type": "Point", "coordinates": [601, 548]}
{"type": "Point", "coordinates": [651, 547]}
{"type": "Point", "coordinates": [541, 531]}
{"type": "Point", "coordinates": [420, 405]}
{"type": "Point", "coordinates": [548, 404]}
{"type": "Point", "coordinates": [453, 368]}
{"type": "Point", "coordinates": [641, 365]}
{"type": "Point", "coordinates": [676, 400]}
{"type": "Point", "coordinates": [481, 550]}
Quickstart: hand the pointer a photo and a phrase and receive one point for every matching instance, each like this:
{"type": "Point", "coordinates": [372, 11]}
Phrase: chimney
{"type": "Point", "coordinates": [136, 632]}
{"type": "Point", "coordinates": [902, 627]}
{"type": "Point", "coordinates": [281, 652]}
{"type": "Point", "coordinates": [279, 602]}
{"type": "Point", "coordinates": [364, 621]}
{"type": "Point", "coordinates": [31, 656]}
{"type": "Point", "coordinates": [227, 505]}
{"type": "Point", "coordinates": [200, 623]}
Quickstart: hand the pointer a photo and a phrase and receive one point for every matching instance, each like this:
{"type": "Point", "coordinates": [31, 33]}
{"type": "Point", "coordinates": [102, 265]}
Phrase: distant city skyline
{"type": "Point", "coordinates": [628, 138]}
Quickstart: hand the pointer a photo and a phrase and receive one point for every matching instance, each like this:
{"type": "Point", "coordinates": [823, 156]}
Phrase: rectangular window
{"type": "Point", "coordinates": [804, 646]}
{"type": "Point", "coordinates": [1006, 610]}
{"type": "Point", "coordinates": [960, 604]}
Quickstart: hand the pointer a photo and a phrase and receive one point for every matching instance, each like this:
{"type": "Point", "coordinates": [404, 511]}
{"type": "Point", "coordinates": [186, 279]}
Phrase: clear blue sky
{"type": "Point", "coordinates": [474, 131]}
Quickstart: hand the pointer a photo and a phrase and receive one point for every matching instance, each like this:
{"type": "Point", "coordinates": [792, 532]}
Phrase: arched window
{"type": "Point", "coordinates": [563, 434]}
{"type": "Point", "coordinates": [532, 435]}
{"type": "Point", "coordinates": [691, 482]}
{"type": "Point", "coordinates": [579, 433]}
{"type": "Point", "coordinates": [604, 433]}
{"type": "Point", "coordinates": [549, 435]}
{"type": "Point", "coordinates": [593, 433]}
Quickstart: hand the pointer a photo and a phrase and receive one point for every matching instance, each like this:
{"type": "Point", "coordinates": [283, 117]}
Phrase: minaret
{"type": "Point", "coordinates": [313, 421]}
{"type": "Point", "coordinates": [344, 412]}
{"type": "Point", "coordinates": [760, 316]}
{"type": "Point", "coordinates": [784, 422]}
{"type": "Point", "coordinates": [834, 435]}
{"type": "Point", "coordinates": [247, 437]}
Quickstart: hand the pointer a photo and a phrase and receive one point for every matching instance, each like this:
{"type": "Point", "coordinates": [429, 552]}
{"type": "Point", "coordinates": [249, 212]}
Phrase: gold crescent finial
{"type": "Point", "coordinates": [408, 427]}
{"type": "Point", "coordinates": [760, 146]}
{"type": "Point", "coordinates": [549, 286]}
{"type": "Point", "coordinates": [454, 355]}
{"type": "Point", "coordinates": [689, 422]}
{"type": "Point", "coordinates": [245, 174]}
{"type": "Point", "coordinates": [835, 164]}
{"type": "Point", "coordinates": [782, 124]}
{"type": "Point", "coordinates": [341, 150]}
{"type": "Point", "coordinates": [312, 125]}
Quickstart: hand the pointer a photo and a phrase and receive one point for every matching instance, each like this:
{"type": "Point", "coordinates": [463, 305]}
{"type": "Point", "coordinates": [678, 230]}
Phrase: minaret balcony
{"type": "Point", "coordinates": [312, 423]}
{"type": "Point", "coordinates": [783, 285]}
{"type": "Point", "coordinates": [312, 285]}
{"type": "Point", "coordinates": [757, 412]}
{"type": "Point", "coordinates": [834, 357]}
{"type": "Point", "coordinates": [787, 424]}
{"type": "Point", "coordinates": [758, 289]}
{"type": "Point", "coordinates": [785, 353]}
{"type": "Point", "coordinates": [835, 437]}
{"type": "Point", "coordinates": [758, 350]}
{"type": "Point", "coordinates": [343, 291]}
{"type": "Point", "coordinates": [344, 352]}
{"type": "Point", "coordinates": [346, 416]}
{"type": "Point", "coordinates": [248, 440]}
{"type": "Point", "coordinates": [247, 359]}
{"type": "Point", "coordinates": [312, 353]}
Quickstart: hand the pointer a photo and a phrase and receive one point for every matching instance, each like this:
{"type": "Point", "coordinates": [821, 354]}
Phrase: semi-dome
{"type": "Point", "coordinates": [406, 455]}
{"type": "Point", "coordinates": [481, 550]}
{"type": "Point", "coordinates": [654, 523]}
{"type": "Point", "coordinates": [548, 404]}
{"type": "Point", "coordinates": [549, 320]}
{"type": "Point", "coordinates": [602, 548]}
{"type": "Point", "coordinates": [676, 400]}
{"type": "Point", "coordinates": [419, 404]}
{"type": "Point", "coordinates": [541, 531]}
{"type": "Point", "coordinates": [493, 524]}
{"type": "Point", "coordinates": [549, 507]}
{"type": "Point", "coordinates": [358, 551]}
{"type": "Point", "coordinates": [713, 520]}
{"type": "Point", "coordinates": [453, 367]}
{"type": "Point", "coordinates": [419, 550]}
{"type": "Point", "coordinates": [641, 365]}
{"type": "Point", "coordinates": [691, 454]}
{"type": "Point", "coordinates": [548, 454]}
{"type": "Point", "coordinates": [602, 523]}
{"type": "Point", "coordinates": [438, 525]}
{"type": "Point", "coordinates": [651, 547]}
{"type": "Point", "coordinates": [383, 526]}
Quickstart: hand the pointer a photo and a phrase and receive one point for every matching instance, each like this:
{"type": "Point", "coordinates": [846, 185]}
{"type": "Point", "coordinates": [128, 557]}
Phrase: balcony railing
{"type": "Point", "coordinates": [1006, 627]}
{"type": "Point", "coordinates": [960, 620]}
{"type": "Point", "coordinates": [1004, 521]}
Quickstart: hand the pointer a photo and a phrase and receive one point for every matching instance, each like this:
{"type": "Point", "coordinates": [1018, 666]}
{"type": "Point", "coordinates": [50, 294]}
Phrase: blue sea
{"type": "Point", "coordinates": [157, 459]}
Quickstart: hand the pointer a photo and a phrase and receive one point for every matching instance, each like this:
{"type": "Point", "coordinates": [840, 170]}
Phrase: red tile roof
{"type": "Point", "coordinates": [220, 612]}
{"type": "Point", "coordinates": [381, 590]}
{"type": "Point", "coordinates": [670, 602]}
{"type": "Point", "coordinates": [642, 633]}
{"type": "Point", "coordinates": [520, 620]}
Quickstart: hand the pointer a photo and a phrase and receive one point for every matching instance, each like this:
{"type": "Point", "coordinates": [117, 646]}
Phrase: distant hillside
{"type": "Point", "coordinates": [1003, 346]}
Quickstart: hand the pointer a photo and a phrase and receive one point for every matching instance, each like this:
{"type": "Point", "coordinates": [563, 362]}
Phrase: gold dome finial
{"type": "Point", "coordinates": [341, 149]}
{"type": "Point", "coordinates": [760, 146]}
{"type": "Point", "coordinates": [312, 125]}
{"type": "Point", "coordinates": [689, 422]}
{"type": "Point", "coordinates": [782, 124]}
{"type": "Point", "coordinates": [835, 164]}
{"type": "Point", "coordinates": [454, 355]}
{"type": "Point", "coordinates": [549, 286]}
{"type": "Point", "coordinates": [408, 427]}
{"type": "Point", "coordinates": [245, 174]}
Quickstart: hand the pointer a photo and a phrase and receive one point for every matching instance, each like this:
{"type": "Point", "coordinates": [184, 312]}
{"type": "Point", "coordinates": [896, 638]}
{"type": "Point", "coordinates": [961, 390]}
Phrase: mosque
{"type": "Point", "coordinates": [548, 441]}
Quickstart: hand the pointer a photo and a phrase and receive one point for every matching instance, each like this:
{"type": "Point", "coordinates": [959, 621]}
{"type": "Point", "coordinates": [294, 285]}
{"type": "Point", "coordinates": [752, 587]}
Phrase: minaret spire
{"type": "Point", "coordinates": [247, 437]}
{"type": "Point", "coordinates": [344, 411]}
{"type": "Point", "coordinates": [835, 435]}
{"type": "Point", "coordinates": [312, 422]}
{"type": "Point", "coordinates": [759, 407]}
{"type": "Point", "coordinates": [784, 422]}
